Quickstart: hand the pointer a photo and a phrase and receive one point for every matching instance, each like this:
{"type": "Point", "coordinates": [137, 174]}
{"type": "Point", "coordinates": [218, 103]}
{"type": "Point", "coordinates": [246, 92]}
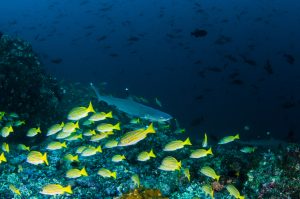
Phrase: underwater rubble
{"type": "Point", "coordinates": [78, 158]}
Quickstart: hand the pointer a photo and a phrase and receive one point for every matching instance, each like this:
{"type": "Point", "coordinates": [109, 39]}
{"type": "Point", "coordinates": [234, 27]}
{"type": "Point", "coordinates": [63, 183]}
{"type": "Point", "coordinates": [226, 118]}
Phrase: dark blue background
{"type": "Point", "coordinates": [189, 75]}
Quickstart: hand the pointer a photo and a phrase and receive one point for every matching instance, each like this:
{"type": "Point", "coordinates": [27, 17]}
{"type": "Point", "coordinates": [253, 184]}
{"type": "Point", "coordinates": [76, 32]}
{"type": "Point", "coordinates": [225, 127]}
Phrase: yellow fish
{"type": "Point", "coordinates": [13, 115]}
{"type": "Point", "coordinates": [55, 129]}
{"type": "Point", "coordinates": [1, 115]}
{"type": "Point", "coordinates": [144, 156]}
{"type": "Point", "coordinates": [208, 190]}
{"type": "Point", "coordinates": [107, 173]}
{"type": "Point", "coordinates": [23, 147]}
{"type": "Point", "coordinates": [2, 158]}
{"type": "Point", "coordinates": [111, 144]}
{"type": "Point", "coordinates": [36, 157]}
{"type": "Point", "coordinates": [234, 192]}
{"type": "Point", "coordinates": [87, 123]}
{"type": "Point", "coordinates": [209, 172]}
{"type": "Point", "coordinates": [135, 121]}
{"type": "Point", "coordinates": [118, 158]}
{"type": "Point", "coordinates": [5, 131]}
{"type": "Point", "coordinates": [101, 136]}
{"type": "Point", "coordinates": [135, 136]}
{"type": "Point", "coordinates": [199, 153]}
{"type": "Point", "coordinates": [5, 147]}
{"type": "Point", "coordinates": [136, 180]}
{"type": "Point", "coordinates": [74, 137]}
{"type": "Point", "coordinates": [158, 102]}
{"type": "Point", "coordinates": [169, 163]}
{"type": "Point", "coordinates": [177, 144]}
{"type": "Point", "coordinates": [14, 189]}
{"type": "Point", "coordinates": [89, 151]}
{"type": "Point", "coordinates": [81, 148]}
{"type": "Point", "coordinates": [228, 139]}
{"type": "Point", "coordinates": [204, 142]}
{"type": "Point", "coordinates": [56, 189]}
{"type": "Point", "coordinates": [33, 132]}
{"type": "Point", "coordinates": [19, 123]}
{"type": "Point", "coordinates": [78, 113]}
{"type": "Point", "coordinates": [76, 173]}
{"type": "Point", "coordinates": [56, 145]}
{"type": "Point", "coordinates": [70, 127]}
{"type": "Point", "coordinates": [89, 133]}
{"type": "Point", "coordinates": [69, 157]}
{"type": "Point", "coordinates": [248, 149]}
{"type": "Point", "coordinates": [105, 127]}
{"type": "Point", "coordinates": [100, 116]}
{"type": "Point", "coordinates": [187, 174]}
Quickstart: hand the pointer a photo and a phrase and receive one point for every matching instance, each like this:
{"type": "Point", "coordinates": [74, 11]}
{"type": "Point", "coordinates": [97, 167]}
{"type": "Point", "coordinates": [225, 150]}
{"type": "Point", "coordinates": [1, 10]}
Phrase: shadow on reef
{"type": "Point", "coordinates": [26, 88]}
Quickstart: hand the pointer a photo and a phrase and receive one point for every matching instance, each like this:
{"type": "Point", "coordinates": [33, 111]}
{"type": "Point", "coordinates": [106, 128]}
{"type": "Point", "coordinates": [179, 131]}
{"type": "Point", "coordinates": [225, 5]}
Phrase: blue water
{"type": "Point", "coordinates": [147, 47]}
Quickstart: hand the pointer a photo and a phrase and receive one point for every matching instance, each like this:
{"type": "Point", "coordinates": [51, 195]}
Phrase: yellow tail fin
{"type": "Point", "coordinates": [117, 126]}
{"type": "Point", "coordinates": [150, 129]}
{"type": "Point", "coordinates": [83, 172]}
{"type": "Point", "coordinates": [90, 108]}
{"type": "Point", "coordinates": [151, 154]}
{"type": "Point", "coordinates": [237, 136]}
{"type": "Point", "coordinates": [114, 175]}
{"type": "Point", "coordinates": [76, 158]}
{"type": "Point", "coordinates": [68, 189]}
{"type": "Point", "coordinates": [209, 151]}
{"type": "Point", "coordinates": [2, 158]}
{"type": "Point", "coordinates": [45, 159]}
{"type": "Point", "coordinates": [77, 125]}
{"type": "Point", "coordinates": [64, 145]}
{"type": "Point", "coordinates": [99, 149]}
{"type": "Point", "coordinates": [187, 142]}
{"type": "Point", "coordinates": [109, 115]}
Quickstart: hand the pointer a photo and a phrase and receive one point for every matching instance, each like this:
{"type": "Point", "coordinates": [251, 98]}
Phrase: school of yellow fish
{"type": "Point", "coordinates": [67, 131]}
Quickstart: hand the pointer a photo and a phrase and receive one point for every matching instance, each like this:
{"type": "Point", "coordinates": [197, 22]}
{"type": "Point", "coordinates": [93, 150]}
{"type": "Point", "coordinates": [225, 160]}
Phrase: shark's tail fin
{"type": "Point", "coordinates": [96, 91]}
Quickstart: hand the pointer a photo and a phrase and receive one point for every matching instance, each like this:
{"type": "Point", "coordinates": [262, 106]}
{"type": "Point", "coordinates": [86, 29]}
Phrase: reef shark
{"type": "Point", "coordinates": [133, 108]}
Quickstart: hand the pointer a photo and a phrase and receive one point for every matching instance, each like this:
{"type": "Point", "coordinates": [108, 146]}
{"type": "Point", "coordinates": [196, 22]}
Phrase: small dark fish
{"type": "Point", "coordinates": [237, 82]}
{"type": "Point", "coordinates": [114, 54]}
{"type": "Point", "coordinates": [133, 39]}
{"type": "Point", "coordinates": [231, 58]}
{"type": "Point", "coordinates": [268, 67]}
{"type": "Point", "coordinates": [248, 61]}
{"type": "Point", "coordinates": [199, 33]}
{"type": "Point", "coordinates": [1, 34]}
{"type": "Point", "coordinates": [198, 62]}
{"type": "Point", "coordinates": [101, 38]}
{"type": "Point", "coordinates": [56, 60]}
{"type": "Point", "coordinates": [201, 73]}
{"type": "Point", "coordinates": [199, 97]}
{"type": "Point", "coordinates": [234, 75]}
{"type": "Point", "coordinates": [289, 58]}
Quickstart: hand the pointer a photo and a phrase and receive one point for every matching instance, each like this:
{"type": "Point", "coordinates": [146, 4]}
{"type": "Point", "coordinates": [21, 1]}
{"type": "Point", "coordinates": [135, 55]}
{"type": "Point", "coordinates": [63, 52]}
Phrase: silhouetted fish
{"type": "Point", "coordinates": [289, 58]}
{"type": "Point", "coordinates": [56, 60]}
{"type": "Point", "coordinates": [199, 33]}
{"type": "Point", "coordinates": [268, 67]}
{"type": "Point", "coordinates": [1, 34]}
{"type": "Point", "coordinates": [248, 61]}
{"type": "Point", "coordinates": [133, 39]}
